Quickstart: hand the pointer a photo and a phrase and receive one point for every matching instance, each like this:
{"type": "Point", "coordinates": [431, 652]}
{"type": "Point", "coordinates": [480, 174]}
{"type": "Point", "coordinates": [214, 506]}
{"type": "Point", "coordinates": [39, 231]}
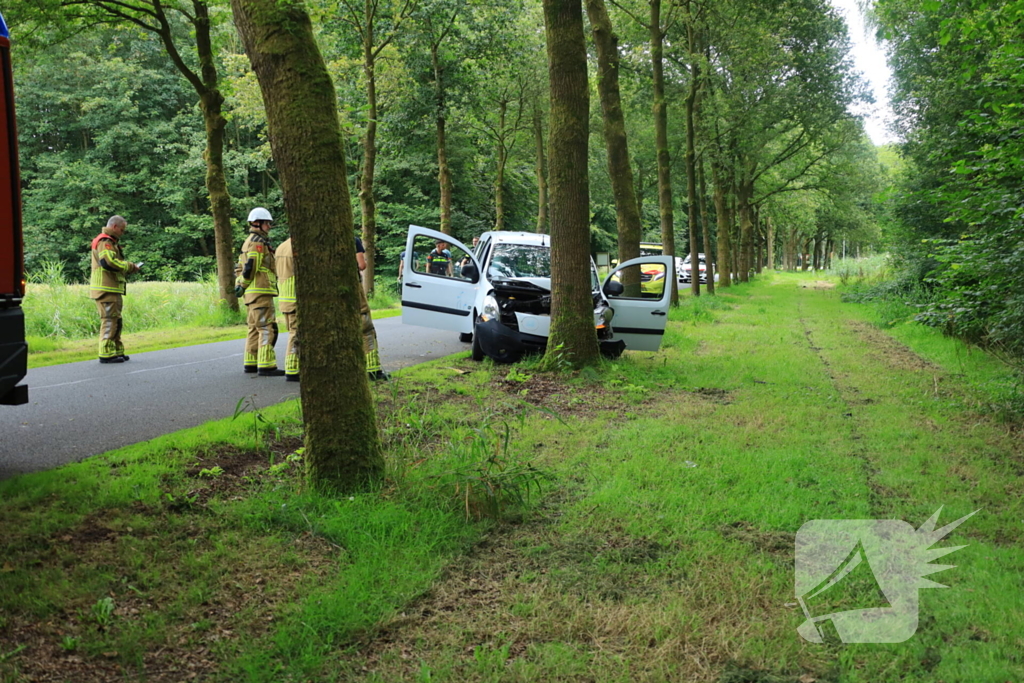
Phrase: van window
{"type": "Point", "coordinates": [433, 257]}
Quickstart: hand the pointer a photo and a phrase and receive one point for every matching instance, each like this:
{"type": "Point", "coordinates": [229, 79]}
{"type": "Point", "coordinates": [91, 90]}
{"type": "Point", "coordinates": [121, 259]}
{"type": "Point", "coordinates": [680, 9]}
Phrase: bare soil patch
{"type": "Point", "coordinates": [892, 352]}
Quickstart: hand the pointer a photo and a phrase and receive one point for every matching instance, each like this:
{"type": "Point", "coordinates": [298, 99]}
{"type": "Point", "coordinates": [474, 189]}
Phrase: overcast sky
{"type": "Point", "coordinates": [870, 61]}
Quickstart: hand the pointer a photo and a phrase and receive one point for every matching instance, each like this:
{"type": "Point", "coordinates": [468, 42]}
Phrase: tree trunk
{"type": "Point", "coordinates": [211, 102]}
{"type": "Point", "coordinates": [627, 211]}
{"type": "Point", "coordinates": [709, 252]}
{"type": "Point", "coordinates": [542, 171]}
{"type": "Point", "coordinates": [367, 204]}
{"type": "Point", "coordinates": [724, 226]}
{"type": "Point", "coordinates": [499, 175]}
{"type": "Point", "coordinates": [573, 339]}
{"type": "Point", "coordinates": [690, 161]}
{"type": "Point", "coordinates": [660, 110]}
{"type": "Point", "coordinates": [444, 175]}
{"type": "Point", "coordinates": [342, 446]}
{"type": "Point", "coordinates": [770, 230]}
{"type": "Point", "coordinates": [745, 191]}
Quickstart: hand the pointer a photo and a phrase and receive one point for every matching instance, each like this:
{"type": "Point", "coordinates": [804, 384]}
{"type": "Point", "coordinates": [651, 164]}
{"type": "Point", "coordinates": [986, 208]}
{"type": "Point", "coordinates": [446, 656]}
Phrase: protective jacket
{"type": "Point", "coordinates": [437, 262]}
{"type": "Point", "coordinates": [109, 268]}
{"type": "Point", "coordinates": [285, 264]}
{"type": "Point", "coordinates": [255, 270]}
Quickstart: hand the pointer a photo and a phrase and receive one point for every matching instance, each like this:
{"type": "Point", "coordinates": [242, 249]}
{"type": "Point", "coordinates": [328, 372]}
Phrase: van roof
{"type": "Point", "coordinates": [517, 237]}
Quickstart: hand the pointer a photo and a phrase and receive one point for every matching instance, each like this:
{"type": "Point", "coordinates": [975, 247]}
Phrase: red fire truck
{"type": "Point", "coordinates": [13, 350]}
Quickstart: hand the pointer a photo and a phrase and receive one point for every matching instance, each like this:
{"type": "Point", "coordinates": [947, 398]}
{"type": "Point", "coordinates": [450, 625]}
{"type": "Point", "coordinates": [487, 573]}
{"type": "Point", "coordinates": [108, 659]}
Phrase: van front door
{"type": "Point", "coordinates": [435, 291]}
{"type": "Point", "coordinates": [641, 313]}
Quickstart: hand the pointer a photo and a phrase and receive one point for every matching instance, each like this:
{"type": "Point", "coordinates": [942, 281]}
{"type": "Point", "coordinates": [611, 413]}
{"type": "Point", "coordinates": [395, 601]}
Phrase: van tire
{"type": "Point", "coordinates": [476, 353]}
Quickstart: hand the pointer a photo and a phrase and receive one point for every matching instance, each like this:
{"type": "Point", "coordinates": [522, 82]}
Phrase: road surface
{"type": "Point", "coordinates": [82, 409]}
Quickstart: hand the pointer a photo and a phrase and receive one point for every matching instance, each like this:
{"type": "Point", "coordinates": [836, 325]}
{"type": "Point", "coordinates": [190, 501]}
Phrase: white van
{"type": "Point", "coordinates": [499, 296]}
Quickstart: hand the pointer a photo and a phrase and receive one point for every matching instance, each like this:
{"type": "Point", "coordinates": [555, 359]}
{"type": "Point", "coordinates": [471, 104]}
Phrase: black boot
{"type": "Point", "coordinates": [250, 369]}
{"type": "Point", "coordinates": [291, 378]}
{"type": "Point", "coordinates": [378, 375]}
{"type": "Point", "coordinates": [271, 372]}
{"type": "Point", "coordinates": [124, 358]}
{"type": "Point", "coordinates": [112, 359]}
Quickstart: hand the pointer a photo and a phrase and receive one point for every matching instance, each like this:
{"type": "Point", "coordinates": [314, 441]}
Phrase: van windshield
{"type": "Point", "coordinates": [526, 262]}
{"type": "Point", "coordinates": [517, 261]}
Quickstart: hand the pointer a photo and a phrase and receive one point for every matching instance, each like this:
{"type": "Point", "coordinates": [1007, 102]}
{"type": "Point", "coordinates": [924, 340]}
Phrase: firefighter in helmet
{"type": "Point", "coordinates": [256, 279]}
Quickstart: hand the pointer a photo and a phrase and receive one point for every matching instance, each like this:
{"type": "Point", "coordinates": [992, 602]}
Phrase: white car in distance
{"type": "Point", "coordinates": [499, 297]}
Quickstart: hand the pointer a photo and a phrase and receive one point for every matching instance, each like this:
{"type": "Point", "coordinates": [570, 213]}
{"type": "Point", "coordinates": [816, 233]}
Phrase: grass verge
{"type": "Point", "coordinates": [662, 549]}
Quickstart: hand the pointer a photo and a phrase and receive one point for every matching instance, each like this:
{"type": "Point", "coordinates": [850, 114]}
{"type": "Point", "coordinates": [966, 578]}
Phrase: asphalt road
{"type": "Point", "coordinates": [81, 409]}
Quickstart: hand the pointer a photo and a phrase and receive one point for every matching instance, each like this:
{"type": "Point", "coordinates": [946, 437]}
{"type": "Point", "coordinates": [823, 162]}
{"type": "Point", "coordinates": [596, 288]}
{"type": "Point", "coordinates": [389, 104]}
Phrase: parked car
{"type": "Point", "coordinates": [686, 267]}
{"type": "Point", "coordinates": [500, 298]}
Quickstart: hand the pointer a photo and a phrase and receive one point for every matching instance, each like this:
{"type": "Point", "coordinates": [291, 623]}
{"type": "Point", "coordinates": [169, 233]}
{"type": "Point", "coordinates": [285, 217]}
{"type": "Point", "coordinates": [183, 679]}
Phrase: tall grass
{"type": "Point", "coordinates": [58, 310]}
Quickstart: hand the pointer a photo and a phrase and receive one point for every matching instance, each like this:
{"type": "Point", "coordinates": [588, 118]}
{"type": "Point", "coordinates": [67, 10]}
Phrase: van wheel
{"type": "Point", "coordinates": [465, 337]}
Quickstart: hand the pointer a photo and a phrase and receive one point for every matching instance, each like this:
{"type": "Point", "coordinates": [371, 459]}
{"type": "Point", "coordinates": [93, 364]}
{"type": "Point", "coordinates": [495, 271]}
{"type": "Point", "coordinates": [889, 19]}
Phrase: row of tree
{"type": "Point", "coordinates": [765, 88]}
{"type": "Point", "coordinates": [958, 210]}
{"type": "Point", "coordinates": [735, 115]}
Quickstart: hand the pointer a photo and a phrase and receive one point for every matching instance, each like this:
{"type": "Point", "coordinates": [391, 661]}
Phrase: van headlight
{"type": "Point", "coordinates": [490, 311]}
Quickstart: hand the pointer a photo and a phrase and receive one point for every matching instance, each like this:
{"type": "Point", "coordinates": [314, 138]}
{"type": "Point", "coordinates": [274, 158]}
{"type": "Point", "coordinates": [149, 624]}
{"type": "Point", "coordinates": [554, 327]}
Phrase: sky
{"type": "Point", "coordinates": [869, 59]}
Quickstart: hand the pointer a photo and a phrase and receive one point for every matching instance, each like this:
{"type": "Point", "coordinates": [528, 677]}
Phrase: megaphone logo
{"type": "Point", "coordinates": [858, 578]}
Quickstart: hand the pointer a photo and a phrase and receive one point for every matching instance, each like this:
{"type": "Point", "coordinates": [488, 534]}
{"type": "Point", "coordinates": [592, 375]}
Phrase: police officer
{"type": "Point", "coordinates": [256, 278]}
{"type": "Point", "coordinates": [108, 285]}
{"type": "Point", "coordinates": [439, 261]}
{"type": "Point", "coordinates": [285, 262]}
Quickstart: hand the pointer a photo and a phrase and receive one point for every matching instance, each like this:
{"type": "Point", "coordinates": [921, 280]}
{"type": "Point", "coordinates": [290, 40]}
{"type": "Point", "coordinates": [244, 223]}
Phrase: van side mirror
{"type": "Point", "coordinates": [614, 288]}
{"type": "Point", "coordinates": [470, 273]}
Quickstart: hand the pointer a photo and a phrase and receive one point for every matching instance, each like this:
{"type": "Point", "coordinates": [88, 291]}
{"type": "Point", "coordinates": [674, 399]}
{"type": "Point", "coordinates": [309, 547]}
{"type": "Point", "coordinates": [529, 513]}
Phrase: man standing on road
{"type": "Point", "coordinates": [107, 287]}
{"type": "Point", "coordinates": [285, 263]}
{"type": "Point", "coordinates": [256, 278]}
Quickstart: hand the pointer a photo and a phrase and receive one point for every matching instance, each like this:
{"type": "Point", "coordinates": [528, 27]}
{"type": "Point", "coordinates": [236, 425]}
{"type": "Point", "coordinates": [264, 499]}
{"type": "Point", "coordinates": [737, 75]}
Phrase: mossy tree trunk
{"type": "Point", "coordinates": [573, 339]}
{"type": "Point", "coordinates": [541, 169]}
{"type": "Point", "coordinates": [627, 210]}
{"type": "Point", "coordinates": [444, 174]}
{"type": "Point", "coordinates": [367, 202]}
{"type": "Point", "coordinates": [690, 160]}
{"type": "Point", "coordinates": [660, 111]}
{"type": "Point", "coordinates": [342, 445]}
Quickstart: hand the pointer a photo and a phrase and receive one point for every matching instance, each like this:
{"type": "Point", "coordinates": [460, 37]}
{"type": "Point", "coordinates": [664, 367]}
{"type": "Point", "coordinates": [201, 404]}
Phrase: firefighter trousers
{"type": "Point", "coordinates": [259, 344]}
{"type": "Point", "coordinates": [370, 344]}
{"type": "Point", "coordinates": [109, 306]}
{"type": "Point", "coordinates": [291, 355]}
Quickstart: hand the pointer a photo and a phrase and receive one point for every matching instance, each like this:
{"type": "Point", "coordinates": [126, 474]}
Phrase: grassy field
{"type": "Point", "coordinates": [660, 547]}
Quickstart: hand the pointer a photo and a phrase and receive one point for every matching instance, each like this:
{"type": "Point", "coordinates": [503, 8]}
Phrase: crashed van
{"type": "Point", "coordinates": [498, 296]}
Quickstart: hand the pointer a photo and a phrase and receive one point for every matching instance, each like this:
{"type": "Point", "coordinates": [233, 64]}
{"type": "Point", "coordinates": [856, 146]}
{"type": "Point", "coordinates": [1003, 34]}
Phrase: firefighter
{"type": "Point", "coordinates": [284, 260]}
{"type": "Point", "coordinates": [373, 367]}
{"type": "Point", "coordinates": [107, 287]}
{"type": "Point", "coordinates": [256, 278]}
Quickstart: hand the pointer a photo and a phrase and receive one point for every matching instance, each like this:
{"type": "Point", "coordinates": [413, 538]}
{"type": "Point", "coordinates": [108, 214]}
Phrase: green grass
{"type": "Point", "coordinates": [661, 548]}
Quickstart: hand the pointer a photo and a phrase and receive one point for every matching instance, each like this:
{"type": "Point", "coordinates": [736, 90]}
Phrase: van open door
{"type": "Point", "coordinates": [439, 286]}
{"type": "Point", "coordinates": [641, 316]}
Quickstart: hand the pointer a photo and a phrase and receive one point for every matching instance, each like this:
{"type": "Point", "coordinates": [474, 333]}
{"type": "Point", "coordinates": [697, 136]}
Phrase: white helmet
{"type": "Point", "coordinates": [259, 214]}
